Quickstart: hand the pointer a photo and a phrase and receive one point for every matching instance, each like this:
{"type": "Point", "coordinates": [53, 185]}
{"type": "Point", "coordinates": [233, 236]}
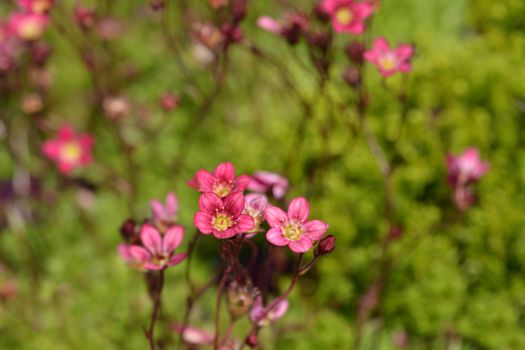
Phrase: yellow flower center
{"type": "Point", "coordinates": [71, 152]}
{"type": "Point", "coordinates": [344, 16]}
{"type": "Point", "coordinates": [388, 62]}
{"type": "Point", "coordinates": [222, 222]}
{"type": "Point", "coordinates": [30, 30]}
{"type": "Point", "coordinates": [293, 232]}
{"type": "Point", "coordinates": [222, 189]}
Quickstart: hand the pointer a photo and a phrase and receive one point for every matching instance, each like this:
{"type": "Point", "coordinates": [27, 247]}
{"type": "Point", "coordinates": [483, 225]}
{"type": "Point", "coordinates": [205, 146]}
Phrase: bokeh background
{"type": "Point", "coordinates": [455, 281]}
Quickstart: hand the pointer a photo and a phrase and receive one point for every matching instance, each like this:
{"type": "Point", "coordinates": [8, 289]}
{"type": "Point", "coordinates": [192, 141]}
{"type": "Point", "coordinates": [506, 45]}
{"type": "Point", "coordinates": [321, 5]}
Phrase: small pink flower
{"type": "Point", "coordinates": [292, 228]}
{"type": "Point", "coordinates": [263, 316]}
{"type": "Point", "coordinates": [36, 6]}
{"type": "Point", "coordinates": [157, 252]}
{"type": "Point", "coordinates": [467, 167]}
{"type": "Point", "coordinates": [291, 26]}
{"type": "Point", "coordinates": [193, 335]}
{"type": "Point", "coordinates": [269, 24]}
{"type": "Point", "coordinates": [28, 26]}
{"type": "Point", "coordinates": [388, 60]}
{"type": "Point", "coordinates": [222, 217]}
{"type": "Point", "coordinates": [348, 16]}
{"type": "Point", "coordinates": [256, 205]}
{"type": "Point", "coordinates": [69, 150]}
{"type": "Point", "coordinates": [165, 214]}
{"type": "Point", "coordinates": [222, 181]}
{"type": "Point", "coordinates": [264, 181]}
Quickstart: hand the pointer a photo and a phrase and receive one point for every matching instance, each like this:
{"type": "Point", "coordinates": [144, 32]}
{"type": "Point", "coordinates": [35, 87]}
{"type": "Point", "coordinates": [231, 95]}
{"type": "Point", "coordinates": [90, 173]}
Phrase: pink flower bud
{"type": "Point", "coordinates": [325, 246]}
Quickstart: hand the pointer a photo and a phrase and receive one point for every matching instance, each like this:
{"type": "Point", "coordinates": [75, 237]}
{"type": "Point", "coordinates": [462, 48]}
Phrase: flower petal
{"type": "Point", "coordinates": [278, 310]}
{"type": "Point", "coordinates": [203, 181]}
{"type": "Point", "coordinates": [51, 149]}
{"type": "Point", "coordinates": [177, 259]}
{"type": "Point", "coordinates": [138, 254]}
{"type": "Point", "coordinates": [172, 204]}
{"type": "Point", "coordinates": [269, 24]}
{"type": "Point", "coordinates": [275, 236]}
{"type": "Point", "coordinates": [202, 221]}
{"type": "Point", "coordinates": [257, 311]}
{"type": "Point", "coordinates": [302, 245]}
{"type": "Point", "coordinates": [209, 202]}
{"type": "Point", "coordinates": [275, 216]}
{"type": "Point", "coordinates": [225, 172]}
{"type": "Point", "coordinates": [242, 182]}
{"type": "Point", "coordinates": [245, 223]}
{"type": "Point", "coordinates": [172, 239]}
{"type": "Point", "coordinates": [229, 233]}
{"type": "Point", "coordinates": [151, 239]}
{"type": "Point", "coordinates": [315, 229]}
{"type": "Point", "coordinates": [234, 203]}
{"type": "Point", "coordinates": [299, 209]}
{"type": "Point", "coordinates": [404, 52]}
{"type": "Point", "coordinates": [157, 209]}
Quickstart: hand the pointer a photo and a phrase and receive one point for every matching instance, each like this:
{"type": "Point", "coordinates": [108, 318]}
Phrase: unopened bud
{"type": "Point", "coordinates": [320, 40]}
{"type": "Point", "coordinates": [355, 51]}
{"type": "Point", "coordinates": [320, 13]}
{"type": "Point", "coordinates": [116, 107]}
{"type": "Point", "coordinates": [85, 17]}
{"type": "Point", "coordinates": [352, 77]}
{"type": "Point", "coordinates": [157, 5]}
{"type": "Point", "coordinates": [127, 230]}
{"type": "Point", "coordinates": [169, 101]}
{"type": "Point", "coordinates": [252, 340]}
{"type": "Point", "coordinates": [239, 10]}
{"type": "Point", "coordinates": [325, 246]}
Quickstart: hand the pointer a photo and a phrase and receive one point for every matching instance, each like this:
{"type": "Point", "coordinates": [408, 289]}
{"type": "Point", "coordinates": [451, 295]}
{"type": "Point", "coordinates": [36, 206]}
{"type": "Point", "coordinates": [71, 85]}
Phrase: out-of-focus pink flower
{"type": "Point", "coordinates": [256, 205]}
{"type": "Point", "coordinates": [264, 181]}
{"type": "Point", "coordinates": [36, 6]}
{"type": "Point", "coordinates": [222, 217]}
{"type": "Point", "coordinates": [293, 229]}
{"type": "Point", "coordinates": [169, 101]}
{"type": "Point", "coordinates": [85, 17]}
{"type": "Point", "coordinates": [157, 251]}
{"type": "Point", "coordinates": [116, 107]}
{"type": "Point", "coordinates": [263, 316]}
{"type": "Point", "coordinates": [69, 150]}
{"type": "Point", "coordinates": [466, 167]}
{"type": "Point", "coordinates": [291, 26]}
{"type": "Point", "coordinates": [348, 16]}
{"type": "Point", "coordinates": [109, 28]}
{"type": "Point", "coordinates": [222, 181]}
{"type": "Point", "coordinates": [165, 214]}
{"type": "Point", "coordinates": [389, 60]}
{"type": "Point", "coordinates": [463, 171]}
{"type": "Point", "coordinates": [28, 26]}
{"type": "Point", "coordinates": [193, 335]}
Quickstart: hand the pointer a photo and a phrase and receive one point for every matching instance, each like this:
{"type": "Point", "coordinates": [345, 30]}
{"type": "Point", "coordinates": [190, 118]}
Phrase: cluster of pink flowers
{"type": "Point", "coordinates": [465, 170]}
{"type": "Point", "coordinates": [225, 212]}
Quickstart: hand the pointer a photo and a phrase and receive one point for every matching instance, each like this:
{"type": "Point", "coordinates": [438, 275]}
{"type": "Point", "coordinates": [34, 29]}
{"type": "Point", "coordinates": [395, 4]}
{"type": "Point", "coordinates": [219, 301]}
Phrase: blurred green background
{"type": "Point", "coordinates": [457, 283]}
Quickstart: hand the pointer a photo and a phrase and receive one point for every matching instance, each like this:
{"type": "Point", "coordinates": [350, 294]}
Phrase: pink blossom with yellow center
{"type": "Point", "coordinates": [28, 26]}
{"type": "Point", "coordinates": [390, 60]}
{"type": "Point", "coordinates": [348, 16]}
{"type": "Point", "coordinates": [292, 228]}
{"type": "Point", "coordinates": [69, 150]}
{"type": "Point", "coordinates": [222, 181]}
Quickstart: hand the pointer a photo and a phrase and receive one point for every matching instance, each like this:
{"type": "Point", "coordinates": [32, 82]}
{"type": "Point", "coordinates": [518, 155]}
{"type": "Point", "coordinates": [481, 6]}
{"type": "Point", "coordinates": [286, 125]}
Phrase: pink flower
{"type": "Point", "coordinates": [263, 316]}
{"type": "Point", "coordinates": [467, 167]}
{"type": "Point", "coordinates": [28, 26]}
{"type": "Point", "coordinates": [157, 252]}
{"type": "Point", "coordinates": [222, 217]}
{"type": "Point", "coordinates": [264, 181]}
{"type": "Point", "coordinates": [463, 171]}
{"type": "Point", "coordinates": [348, 16]}
{"type": "Point", "coordinates": [291, 26]}
{"type": "Point", "coordinates": [165, 214]}
{"type": "Point", "coordinates": [292, 228]}
{"type": "Point", "coordinates": [36, 6]}
{"type": "Point", "coordinates": [193, 335]}
{"type": "Point", "coordinates": [255, 206]}
{"type": "Point", "coordinates": [390, 61]}
{"type": "Point", "coordinates": [269, 24]}
{"type": "Point", "coordinates": [222, 181]}
{"type": "Point", "coordinates": [69, 150]}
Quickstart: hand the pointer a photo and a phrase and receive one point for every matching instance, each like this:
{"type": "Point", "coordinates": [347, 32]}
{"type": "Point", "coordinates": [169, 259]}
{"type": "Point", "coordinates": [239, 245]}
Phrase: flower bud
{"type": "Point", "coordinates": [239, 10]}
{"type": "Point", "coordinates": [169, 101]}
{"type": "Point", "coordinates": [40, 53]}
{"type": "Point", "coordinates": [240, 298]}
{"type": "Point", "coordinates": [157, 5]}
{"type": "Point", "coordinates": [116, 107]}
{"type": "Point", "coordinates": [320, 40]}
{"type": "Point", "coordinates": [32, 103]}
{"type": "Point", "coordinates": [352, 76]}
{"type": "Point", "coordinates": [325, 246]}
{"type": "Point", "coordinates": [320, 13]}
{"type": "Point", "coordinates": [252, 340]}
{"type": "Point", "coordinates": [355, 51]}
{"type": "Point", "coordinates": [85, 17]}
{"type": "Point", "coordinates": [127, 230]}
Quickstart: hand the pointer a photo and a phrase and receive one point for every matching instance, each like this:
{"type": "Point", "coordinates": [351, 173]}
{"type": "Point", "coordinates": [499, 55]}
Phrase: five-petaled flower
{"type": "Point", "coordinates": [222, 181]}
{"type": "Point", "coordinates": [265, 181]}
{"type": "Point", "coordinates": [165, 214]}
{"type": "Point", "coordinates": [390, 60]}
{"type": "Point", "coordinates": [222, 217]}
{"type": "Point", "coordinates": [157, 251]}
{"type": "Point", "coordinates": [263, 316]}
{"type": "Point", "coordinates": [348, 16]}
{"type": "Point", "coordinates": [28, 26]}
{"type": "Point", "coordinates": [69, 150]}
{"type": "Point", "coordinates": [292, 228]}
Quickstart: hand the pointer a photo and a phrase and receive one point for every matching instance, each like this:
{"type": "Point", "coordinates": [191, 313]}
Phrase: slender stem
{"type": "Point", "coordinates": [218, 308]}
{"type": "Point", "coordinates": [150, 333]}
